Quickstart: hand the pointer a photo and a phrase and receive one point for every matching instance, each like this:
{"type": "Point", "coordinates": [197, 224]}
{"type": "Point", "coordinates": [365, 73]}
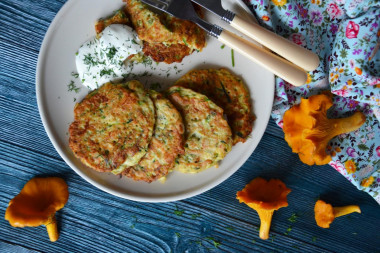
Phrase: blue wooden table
{"type": "Point", "coordinates": [94, 221]}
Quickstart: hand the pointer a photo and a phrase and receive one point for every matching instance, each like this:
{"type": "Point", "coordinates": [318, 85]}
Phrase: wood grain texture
{"type": "Point", "coordinates": [94, 221]}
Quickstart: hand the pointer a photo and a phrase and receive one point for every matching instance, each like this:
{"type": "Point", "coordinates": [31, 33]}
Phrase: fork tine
{"type": "Point", "coordinates": [165, 1]}
{"type": "Point", "coordinates": [160, 4]}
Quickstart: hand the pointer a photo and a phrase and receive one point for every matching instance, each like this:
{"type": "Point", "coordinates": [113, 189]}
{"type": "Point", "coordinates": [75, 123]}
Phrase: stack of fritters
{"type": "Point", "coordinates": [165, 38]}
{"type": "Point", "coordinates": [166, 144]}
{"type": "Point", "coordinates": [113, 131]}
{"type": "Point", "coordinates": [126, 129]}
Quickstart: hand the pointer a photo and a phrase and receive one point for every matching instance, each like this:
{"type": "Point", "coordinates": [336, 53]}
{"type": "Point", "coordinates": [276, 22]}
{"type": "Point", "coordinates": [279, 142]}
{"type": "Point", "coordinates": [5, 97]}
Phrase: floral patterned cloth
{"type": "Point", "coordinates": [345, 34]}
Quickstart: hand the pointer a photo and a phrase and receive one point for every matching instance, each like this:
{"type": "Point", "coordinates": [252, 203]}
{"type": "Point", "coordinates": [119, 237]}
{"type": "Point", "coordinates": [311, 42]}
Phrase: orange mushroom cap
{"type": "Point", "coordinates": [37, 203]}
{"type": "Point", "coordinates": [269, 195]}
{"type": "Point", "coordinates": [265, 197]}
{"type": "Point", "coordinates": [308, 130]}
{"type": "Point", "coordinates": [326, 213]}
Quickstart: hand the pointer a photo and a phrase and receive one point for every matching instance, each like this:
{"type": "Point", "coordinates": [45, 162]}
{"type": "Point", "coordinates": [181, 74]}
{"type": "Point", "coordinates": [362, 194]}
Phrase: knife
{"type": "Point", "coordinates": [300, 56]}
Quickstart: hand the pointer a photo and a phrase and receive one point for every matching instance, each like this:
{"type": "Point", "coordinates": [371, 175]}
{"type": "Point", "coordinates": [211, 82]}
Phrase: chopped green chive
{"type": "Point", "coordinates": [216, 243]}
{"type": "Point", "coordinates": [195, 215]}
{"type": "Point", "coordinates": [178, 212]}
{"type": "Point", "coordinates": [75, 75]}
{"type": "Point", "coordinates": [230, 228]}
{"type": "Point", "coordinates": [111, 52]}
{"type": "Point", "coordinates": [71, 87]}
{"type": "Point", "coordinates": [293, 218]}
{"type": "Point", "coordinates": [232, 58]}
{"type": "Point", "coordinates": [288, 230]}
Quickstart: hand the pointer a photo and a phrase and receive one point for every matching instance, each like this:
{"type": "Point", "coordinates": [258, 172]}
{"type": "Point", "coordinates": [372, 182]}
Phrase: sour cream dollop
{"type": "Point", "coordinates": [101, 60]}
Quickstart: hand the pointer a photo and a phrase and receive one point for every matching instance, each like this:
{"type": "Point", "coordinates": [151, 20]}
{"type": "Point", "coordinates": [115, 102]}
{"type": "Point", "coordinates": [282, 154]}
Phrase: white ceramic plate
{"type": "Point", "coordinates": [73, 25]}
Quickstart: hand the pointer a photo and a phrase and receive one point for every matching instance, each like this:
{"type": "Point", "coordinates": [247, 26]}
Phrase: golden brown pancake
{"type": "Point", "coordinates": [160, 52]}
{"type": "Point", "coordinates": [112, 127]}
{"type": "Point", "coordinates": [227, 91]}
{"type": "Point", "coordinates": [208, 136]}
{"type": "Point", "coordinates": [165, 37]}
{"type": "Point", "coordinates": [119, 17]}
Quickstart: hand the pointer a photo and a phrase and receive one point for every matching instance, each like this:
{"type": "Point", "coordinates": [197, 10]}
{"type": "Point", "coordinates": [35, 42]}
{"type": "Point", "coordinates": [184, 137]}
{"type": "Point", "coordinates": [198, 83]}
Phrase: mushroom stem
{"type": "Point", "coordinates": [265, 221]}
{"type": "Point", "coordinates": [340, 211]}
{"type": "Point", "coordinates": [349, 124]}
{"type": "Point", "coordinates": [51, 227]}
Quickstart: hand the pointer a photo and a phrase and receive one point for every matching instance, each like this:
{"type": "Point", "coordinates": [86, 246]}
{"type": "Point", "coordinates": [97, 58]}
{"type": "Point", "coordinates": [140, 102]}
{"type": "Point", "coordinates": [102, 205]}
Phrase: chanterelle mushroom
{"type": "Point", "coordinates": [308, 130]}
{"type": "Point", "coordinates": [325, 213]}
{"type": "Point", "coordinates": [37, 203]}
{"type": "Point", "coordinates": [265, 197]}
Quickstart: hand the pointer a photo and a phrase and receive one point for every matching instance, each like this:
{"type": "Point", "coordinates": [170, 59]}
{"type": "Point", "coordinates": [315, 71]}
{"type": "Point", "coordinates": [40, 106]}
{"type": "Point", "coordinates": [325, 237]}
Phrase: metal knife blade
{"type": "Point", "coordinates": [215, 6]}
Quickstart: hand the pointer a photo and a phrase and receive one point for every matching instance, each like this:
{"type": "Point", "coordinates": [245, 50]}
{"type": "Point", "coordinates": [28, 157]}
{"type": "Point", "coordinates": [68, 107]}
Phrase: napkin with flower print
{"type": "Point", "coordinates": [346, 36]}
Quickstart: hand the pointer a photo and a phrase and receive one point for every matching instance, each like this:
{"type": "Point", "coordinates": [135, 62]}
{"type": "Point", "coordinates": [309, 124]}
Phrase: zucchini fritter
{"type": "Point", "coordinates": [166, 144]}
{"type": "Point", "coordinates": [163, 30]}
{"type": "Point", "coordinates": [112, 127]}
{"type": "Point", "coordinates": [160, 52]}
{"type": "Point", "coordinates": [208, 136]}
{"type": "Point", "coordinates": [119, 17]}
{"type": "Point", "coordinates": [227, 91]}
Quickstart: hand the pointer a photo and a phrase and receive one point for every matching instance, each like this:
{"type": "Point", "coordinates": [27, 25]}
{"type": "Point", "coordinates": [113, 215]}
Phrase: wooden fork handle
{"type": "Point", "coordinates": [300, 56]}
{"type": "Point", "coordinates": [277, 65]}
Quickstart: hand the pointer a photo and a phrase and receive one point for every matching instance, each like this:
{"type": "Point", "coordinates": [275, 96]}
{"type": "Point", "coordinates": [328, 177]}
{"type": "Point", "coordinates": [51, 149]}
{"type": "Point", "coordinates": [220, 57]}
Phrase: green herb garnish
{"type": "Point", "coordinates": [195, 215]}
{"type": "Point", "coordinates": [288, 230]}
{"type": "Point", "coordinates": [293, 218]}
{"type": "Point", "coordinates": [216, 243]}
{"type": "Point", "coordinates": [89, 60]}
{"type": "Point", "coordinates": [178, 212]}
{"type": "Point", "coordinates": [75, 75]}
{"type": "Point", "coordinates": [232, 58]}
{"type": "Point", "coordinates": [71, 87]}
{"type": "Point", "coordinates": [106, 72]}
{"type": "Point", "coordinates": [111, 52]}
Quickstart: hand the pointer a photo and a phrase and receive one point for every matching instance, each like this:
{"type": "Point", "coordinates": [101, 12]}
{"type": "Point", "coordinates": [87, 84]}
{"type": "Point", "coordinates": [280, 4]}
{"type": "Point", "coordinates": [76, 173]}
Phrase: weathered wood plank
{"type": "Point", "coordinates": [86, 201]}
{"type": "Point", "coordinates": [22, 126]}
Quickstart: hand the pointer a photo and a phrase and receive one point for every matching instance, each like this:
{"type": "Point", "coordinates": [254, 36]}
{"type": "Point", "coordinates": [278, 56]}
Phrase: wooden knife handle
{"type": "Point", "coordinates": [300, 56]}
{"type": "Point", "coordinates": [277, 65]}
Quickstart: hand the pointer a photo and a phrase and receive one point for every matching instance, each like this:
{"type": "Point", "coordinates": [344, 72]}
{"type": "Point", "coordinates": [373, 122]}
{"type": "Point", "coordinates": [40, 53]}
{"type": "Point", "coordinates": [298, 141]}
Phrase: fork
{"type": "Point", "coordinates": [287, 49]}
{"type": "Point", "coordinates": [286, 70]}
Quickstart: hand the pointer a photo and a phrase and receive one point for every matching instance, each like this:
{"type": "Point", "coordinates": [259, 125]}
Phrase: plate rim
{"type": "Point", "coordinates": [166, 197]}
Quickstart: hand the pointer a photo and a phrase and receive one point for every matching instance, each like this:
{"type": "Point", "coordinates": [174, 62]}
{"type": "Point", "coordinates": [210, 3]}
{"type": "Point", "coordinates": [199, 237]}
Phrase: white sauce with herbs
{"type": "Point", "coordinates": [99, 61]}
